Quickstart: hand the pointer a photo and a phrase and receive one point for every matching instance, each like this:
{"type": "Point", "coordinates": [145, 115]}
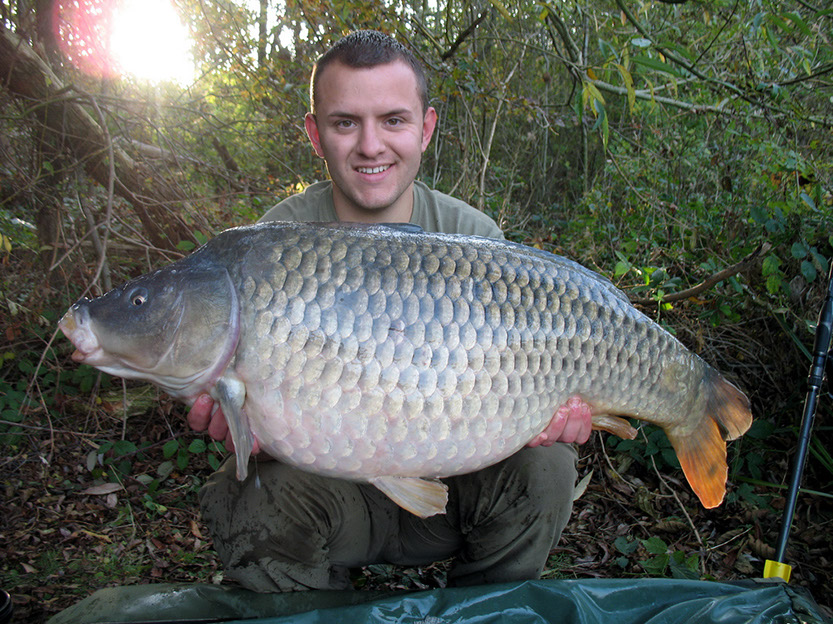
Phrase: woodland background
{"type": "Point", "coordinates": [659, 143]}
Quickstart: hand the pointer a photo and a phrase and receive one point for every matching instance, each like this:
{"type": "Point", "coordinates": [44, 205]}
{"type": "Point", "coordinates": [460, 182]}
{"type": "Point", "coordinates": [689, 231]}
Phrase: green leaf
{"type": "Point", "coordinates": [170, 447]}
{"type": "Point", "coordinates": [621, 268]}
{"type": "Point", "coordinates": [124, 447]}
{"type": "Point", "coordinates": [808, 270]}
{"type": "Point", "coordinates": [682, 567]}
{"type": "Point", "coordinates": [197, 446]}
{"type": "Point", "coordinates": [807, 200]}
{"type": "Point", "coordinates": [502, 9]}
{"type": "Point", "coordinates": [799, 250]}
{"type": "Point", "coordinates": [819, 258]}
{"type": "Point", "coordinates": [592, 94]}
{"type": "Point", "coordinates": [625, 545]}
{"type": "Point", "coordinates": [656, 566]}
{"type": "Point", "coordinates": [774, 19]}
{"type": "Point", "coordinates": [796, 19]}
{"type": "Point", "coordinates": [213, 461]}
{"type": "Point", "coordinates": [628, 80]}
{"type": "Point", "coordinates": [771, 265]}
{"type": "Point", "coordinates": [655, 546]}
{"type": "Point", "coordinates": [676, 47]}
{"type": "Point", "coordinates": [758, 214]}
{"type": "Point", "coordinates": [655, 64]}
{"type": "Point", "coordinates": [165, 468]}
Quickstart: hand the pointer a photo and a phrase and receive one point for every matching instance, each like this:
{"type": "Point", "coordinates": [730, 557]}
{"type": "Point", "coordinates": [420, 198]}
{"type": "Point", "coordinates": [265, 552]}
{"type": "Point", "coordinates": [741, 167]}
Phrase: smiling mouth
{"type": "Point", "coordinates": [378, 169]}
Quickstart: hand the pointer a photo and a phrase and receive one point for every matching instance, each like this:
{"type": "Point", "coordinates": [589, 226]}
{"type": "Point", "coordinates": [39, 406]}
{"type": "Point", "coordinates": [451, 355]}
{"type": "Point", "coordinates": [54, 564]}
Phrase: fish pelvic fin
{"type": "Point", "coordinates": [422, 497]}
{"type": "Point", "coordinates": [702, 449]}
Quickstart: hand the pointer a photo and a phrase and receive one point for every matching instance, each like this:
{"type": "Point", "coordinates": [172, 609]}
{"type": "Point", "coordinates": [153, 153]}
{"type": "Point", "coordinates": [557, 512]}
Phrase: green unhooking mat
{"type": "Point", "coordinates": [622, 601]}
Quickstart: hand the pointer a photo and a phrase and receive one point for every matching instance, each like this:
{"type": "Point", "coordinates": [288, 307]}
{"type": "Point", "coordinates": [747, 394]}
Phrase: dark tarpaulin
{"type": "Point", "coordinates": [646, 601]}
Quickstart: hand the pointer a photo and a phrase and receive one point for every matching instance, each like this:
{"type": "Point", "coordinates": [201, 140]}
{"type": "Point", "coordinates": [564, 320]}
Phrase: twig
{"type": "Point", "coordinates": [49, 429]}
{"type": "Point", "coordinates": [709, 281]}
{"type": "Point", "coordinates": [464, 35]}
{"type": "Point", "coordinates": [685, 513]}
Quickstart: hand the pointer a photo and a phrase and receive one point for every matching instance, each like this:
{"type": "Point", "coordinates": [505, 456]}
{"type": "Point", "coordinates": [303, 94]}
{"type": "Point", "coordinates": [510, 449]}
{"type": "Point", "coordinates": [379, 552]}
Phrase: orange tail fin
{"type": "Point", "coordinates": [702, 450]}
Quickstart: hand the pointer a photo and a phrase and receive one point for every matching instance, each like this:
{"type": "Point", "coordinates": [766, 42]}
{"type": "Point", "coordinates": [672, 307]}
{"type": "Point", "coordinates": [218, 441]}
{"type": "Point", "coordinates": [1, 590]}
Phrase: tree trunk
{"type": "Point", "coordinates": [157, 203]}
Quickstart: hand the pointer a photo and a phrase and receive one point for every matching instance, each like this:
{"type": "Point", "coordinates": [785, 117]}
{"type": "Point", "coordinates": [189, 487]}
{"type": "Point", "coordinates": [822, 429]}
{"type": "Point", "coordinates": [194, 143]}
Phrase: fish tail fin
{"type": "Point", "coordinates": [702, 454]}
{"type": "Point", "coordinates": [702, 449]}
{"type": "Point", "coordinates": [727, 405]}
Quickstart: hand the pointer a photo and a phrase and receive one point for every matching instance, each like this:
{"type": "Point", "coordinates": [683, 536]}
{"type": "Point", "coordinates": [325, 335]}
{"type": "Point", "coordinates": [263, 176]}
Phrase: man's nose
{"type": "Point", "coordinates": [370, 140]}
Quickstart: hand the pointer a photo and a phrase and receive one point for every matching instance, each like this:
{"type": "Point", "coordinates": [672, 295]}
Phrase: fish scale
{"type": "Point", "coordinates": [363, 266]}
{"type": "Point", "coordinates": [394, 356]}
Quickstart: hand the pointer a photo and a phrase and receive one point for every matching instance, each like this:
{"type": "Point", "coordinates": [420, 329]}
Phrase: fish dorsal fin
{"type": "Point", "coordinates": [407, 228]}
{"type": "Point", "coordinates": [422, 497]}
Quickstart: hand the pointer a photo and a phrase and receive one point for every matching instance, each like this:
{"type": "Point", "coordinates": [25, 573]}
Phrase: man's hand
{"type": "Point", "coordinates": [571, 423]}
{"type": "Point", "coordinates": [201, 418]}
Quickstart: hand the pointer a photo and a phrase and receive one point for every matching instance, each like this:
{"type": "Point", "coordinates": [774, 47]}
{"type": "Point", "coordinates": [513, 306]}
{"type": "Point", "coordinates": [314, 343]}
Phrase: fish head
{"type": "Point", "coordinates": [176, 327]}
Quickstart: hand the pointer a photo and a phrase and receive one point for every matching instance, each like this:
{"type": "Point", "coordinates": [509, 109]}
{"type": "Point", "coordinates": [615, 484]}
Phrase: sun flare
{"type": "Point", "coordinates": [149, 41]}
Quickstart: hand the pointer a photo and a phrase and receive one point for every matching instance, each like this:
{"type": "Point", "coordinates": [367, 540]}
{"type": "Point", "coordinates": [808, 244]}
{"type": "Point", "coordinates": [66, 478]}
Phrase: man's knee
{"type": "Point", "coordinates": [284, 529]}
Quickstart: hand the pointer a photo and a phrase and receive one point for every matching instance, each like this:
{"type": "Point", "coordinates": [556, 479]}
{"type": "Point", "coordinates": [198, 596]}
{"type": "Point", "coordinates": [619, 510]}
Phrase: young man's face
{"type": "Point", "coordinates": [370, 129]}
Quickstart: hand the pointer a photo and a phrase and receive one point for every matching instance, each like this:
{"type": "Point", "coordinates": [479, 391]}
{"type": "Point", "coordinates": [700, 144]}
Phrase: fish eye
{"type": "Point", "coordinates": [138, 297]}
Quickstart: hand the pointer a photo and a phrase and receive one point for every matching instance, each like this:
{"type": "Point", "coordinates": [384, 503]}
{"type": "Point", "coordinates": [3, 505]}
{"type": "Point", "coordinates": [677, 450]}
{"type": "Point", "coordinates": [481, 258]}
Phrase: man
{"type": "Point", "coordinates": [370, 121]}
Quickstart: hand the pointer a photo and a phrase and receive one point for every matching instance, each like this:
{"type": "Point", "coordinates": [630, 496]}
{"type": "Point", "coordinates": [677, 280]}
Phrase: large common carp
{"type": "Point", "coordinates": [390, 355]}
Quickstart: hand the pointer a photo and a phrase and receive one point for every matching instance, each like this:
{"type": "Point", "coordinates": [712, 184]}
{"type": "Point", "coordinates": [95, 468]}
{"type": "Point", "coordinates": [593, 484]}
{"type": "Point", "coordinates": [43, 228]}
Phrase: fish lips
{"type": "Point", "coordinates": [75, 325]}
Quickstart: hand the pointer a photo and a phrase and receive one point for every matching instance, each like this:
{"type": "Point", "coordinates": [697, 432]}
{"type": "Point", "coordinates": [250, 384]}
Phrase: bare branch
{"type": "Point", "coordinates": [709, 281]}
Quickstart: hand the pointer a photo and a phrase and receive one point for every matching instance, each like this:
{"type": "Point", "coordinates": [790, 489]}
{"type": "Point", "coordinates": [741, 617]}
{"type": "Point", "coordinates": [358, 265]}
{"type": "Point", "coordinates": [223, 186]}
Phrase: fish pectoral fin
{"type": "Point", "coordinates": [702, 454]}
{"type": "Point", "coordinates": [230, 392]}
{"type": "Point", "coordinates": [615, 425]}
{"type": "Point", "coordinates": [422, 497]}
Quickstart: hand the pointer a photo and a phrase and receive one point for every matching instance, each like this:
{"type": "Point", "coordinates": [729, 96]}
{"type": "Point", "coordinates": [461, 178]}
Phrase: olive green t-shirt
{"type": "Point", "coordinates": [433, 211]}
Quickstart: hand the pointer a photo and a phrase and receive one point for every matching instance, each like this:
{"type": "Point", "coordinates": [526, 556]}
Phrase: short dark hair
{"type": "Point", "coordinates": [369, 48]}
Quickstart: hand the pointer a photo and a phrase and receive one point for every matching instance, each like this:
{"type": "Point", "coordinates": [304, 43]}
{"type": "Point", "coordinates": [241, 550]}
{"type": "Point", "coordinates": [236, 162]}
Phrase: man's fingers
{"type": "Point", "coordinates": [199, 415]}
{"type": "Point", "coordinates": [572, 422]}
{"type": "Point", "coordinates": [218, 428]}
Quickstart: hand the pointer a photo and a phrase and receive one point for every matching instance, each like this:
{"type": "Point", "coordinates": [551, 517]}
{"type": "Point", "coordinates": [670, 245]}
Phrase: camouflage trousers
{"type": "Point", "coordinates": [301, 531]}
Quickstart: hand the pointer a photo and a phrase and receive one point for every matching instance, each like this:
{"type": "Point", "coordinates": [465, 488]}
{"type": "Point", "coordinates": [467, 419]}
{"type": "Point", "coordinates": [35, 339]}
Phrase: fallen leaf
{"type": "Point", "coordinates": [582, 486]}
{"type": "Point", "coordinates": [104, 488]}
{"type": "Point", "coordinates": [195, 530]}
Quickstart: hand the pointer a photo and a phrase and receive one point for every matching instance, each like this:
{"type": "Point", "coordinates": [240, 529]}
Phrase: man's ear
{"type": "Point", "coordinates": [311, 125]}
{"type": "Point", "coordinates": [429, 122]}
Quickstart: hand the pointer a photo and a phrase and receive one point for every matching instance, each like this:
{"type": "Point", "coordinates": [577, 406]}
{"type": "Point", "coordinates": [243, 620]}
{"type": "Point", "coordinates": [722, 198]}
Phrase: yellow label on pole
{"type": "Point", "coordinates": [774, 569]}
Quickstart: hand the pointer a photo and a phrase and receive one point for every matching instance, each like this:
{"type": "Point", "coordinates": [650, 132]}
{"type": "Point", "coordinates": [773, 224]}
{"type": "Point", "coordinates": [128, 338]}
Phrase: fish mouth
{"type": "Point", "coordinates": [76, 327]}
